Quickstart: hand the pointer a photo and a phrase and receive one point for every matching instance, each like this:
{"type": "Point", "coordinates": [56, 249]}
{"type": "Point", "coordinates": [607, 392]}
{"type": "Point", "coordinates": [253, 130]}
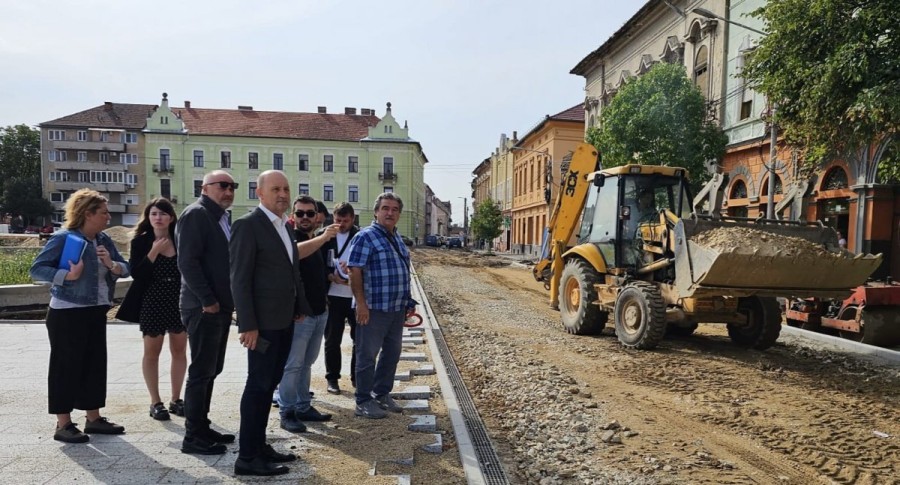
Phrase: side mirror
{"type": "Point", "coordinates": [625, 212]}
{"type": "Point", "coordinates": [598, 180]}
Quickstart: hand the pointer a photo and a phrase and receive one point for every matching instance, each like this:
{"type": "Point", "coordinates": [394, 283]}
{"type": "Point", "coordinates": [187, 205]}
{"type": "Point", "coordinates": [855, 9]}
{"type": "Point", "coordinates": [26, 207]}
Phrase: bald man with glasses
{"type": "Point", "coordinates": [202, 234]}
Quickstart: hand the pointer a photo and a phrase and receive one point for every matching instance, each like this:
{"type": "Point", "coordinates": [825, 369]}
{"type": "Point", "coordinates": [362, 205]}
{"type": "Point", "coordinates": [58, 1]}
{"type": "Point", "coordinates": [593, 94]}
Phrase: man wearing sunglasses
{"type": "Point", "coordinates": [202, 235]}
{"type": "Point", "coordinates": [294, 399]}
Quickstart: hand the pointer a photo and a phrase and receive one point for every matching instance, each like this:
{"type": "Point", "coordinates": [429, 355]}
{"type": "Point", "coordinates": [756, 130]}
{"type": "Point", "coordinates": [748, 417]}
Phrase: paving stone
{"type": "Point", "coordinates": [413, 356]}
{"type": "Point", "coordinates": [437, 446]}
{"type": "Point", "coordinates": [403, 376]}
{"type": "Point", "coordinates": [403, 480]}
{"type": "Point", "coordinates": [425, 370]}
{"type": "Point", "coordinates": [414, 340]}
{"type": "Point", "coordinates": [416, 406]}
{"type": "Point", "coordinates": [412, 332]}
{"type": "Point", "coordinates": [412, 392]}
{"type": "Point", "coordinates": [424, 424]}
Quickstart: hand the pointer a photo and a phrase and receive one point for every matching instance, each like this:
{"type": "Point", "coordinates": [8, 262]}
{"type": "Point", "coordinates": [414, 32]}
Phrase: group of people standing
{"type": "Point", "coordinates": [289, 282]}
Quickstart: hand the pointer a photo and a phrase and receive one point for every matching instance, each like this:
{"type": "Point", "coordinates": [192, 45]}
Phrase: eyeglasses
{"type": "Point", "coordinates": [225, 185]}
{"type": "Point", "coordinates": [309, 214]}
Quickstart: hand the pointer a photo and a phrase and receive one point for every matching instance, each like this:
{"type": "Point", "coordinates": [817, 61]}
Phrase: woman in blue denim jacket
{"type": "Point", "coordinates": [80, 297]}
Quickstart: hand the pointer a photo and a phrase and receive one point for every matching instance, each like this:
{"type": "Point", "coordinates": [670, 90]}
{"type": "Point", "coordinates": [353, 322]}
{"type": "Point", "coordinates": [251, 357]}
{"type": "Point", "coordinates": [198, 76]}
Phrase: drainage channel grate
{"type": "Point", "coordinates": [487, 456]}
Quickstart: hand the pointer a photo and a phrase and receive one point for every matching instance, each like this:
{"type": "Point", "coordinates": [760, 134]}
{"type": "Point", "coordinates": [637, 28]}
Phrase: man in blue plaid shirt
{"type": "Point", "coordinates": [379, 279]}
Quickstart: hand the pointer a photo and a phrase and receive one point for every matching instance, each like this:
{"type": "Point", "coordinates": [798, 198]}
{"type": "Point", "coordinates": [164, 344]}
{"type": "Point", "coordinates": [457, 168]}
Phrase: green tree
{"type": "Point", "coordinates": [487, 222]}
{"type": "Point", "coordinates": [20, 173]}
{"type": "Point", "coordinates": [833, 69]}
{"type": "Point", "coordinates": [659, 119]}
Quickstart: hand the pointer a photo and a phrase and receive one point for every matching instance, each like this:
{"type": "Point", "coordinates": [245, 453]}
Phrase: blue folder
{"type": "Point", "coordinates": [72, 251]}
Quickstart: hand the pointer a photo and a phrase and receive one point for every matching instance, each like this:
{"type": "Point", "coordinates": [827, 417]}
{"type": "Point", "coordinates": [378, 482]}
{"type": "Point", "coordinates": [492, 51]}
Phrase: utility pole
{"type": "Point", "coordinates": [465, 222]}
{"type": "Point", "coordinates": [770, 206]}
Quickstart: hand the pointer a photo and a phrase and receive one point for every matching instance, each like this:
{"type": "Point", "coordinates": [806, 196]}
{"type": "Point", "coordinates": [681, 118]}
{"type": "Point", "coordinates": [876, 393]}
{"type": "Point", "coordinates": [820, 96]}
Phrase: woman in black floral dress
{"type": "Point", "coordinates": [152, 301]}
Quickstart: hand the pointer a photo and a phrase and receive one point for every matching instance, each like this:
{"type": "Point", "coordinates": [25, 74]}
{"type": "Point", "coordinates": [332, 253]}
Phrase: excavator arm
{"type": "Point", "coordinates": [565, 217]}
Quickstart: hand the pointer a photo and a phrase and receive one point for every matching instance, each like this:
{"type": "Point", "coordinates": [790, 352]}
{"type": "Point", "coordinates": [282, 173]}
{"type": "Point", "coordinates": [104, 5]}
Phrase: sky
{"type": "Point", "coordinates": [459, 72]}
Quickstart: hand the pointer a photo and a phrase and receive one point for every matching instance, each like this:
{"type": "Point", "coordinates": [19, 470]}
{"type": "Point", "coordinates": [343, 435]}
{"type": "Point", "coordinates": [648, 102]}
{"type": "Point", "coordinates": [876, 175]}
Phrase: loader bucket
{"type": "Point", "coordinates": [732, 258]}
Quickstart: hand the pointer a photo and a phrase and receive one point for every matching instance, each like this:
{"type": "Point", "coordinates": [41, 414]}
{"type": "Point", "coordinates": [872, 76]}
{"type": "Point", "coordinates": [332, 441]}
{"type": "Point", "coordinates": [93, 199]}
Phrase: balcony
{"type": "Point", "coordinates": [392, 176]}
{"type": "Point", "coordinates": [101, 146]}
{"type": "Point", "coordinates": [164, 168]}
{"type": "Point", "coordinates": [116, 207]}
{"type": "Point", "coordinates": [88, 166]}
{"type": "Point", "coordinates": [99, 187]}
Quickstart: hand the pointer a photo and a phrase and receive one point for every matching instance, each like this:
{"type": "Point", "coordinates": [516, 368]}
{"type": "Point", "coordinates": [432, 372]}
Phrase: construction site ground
{"type": "Point", "coordinates": [576, 409]}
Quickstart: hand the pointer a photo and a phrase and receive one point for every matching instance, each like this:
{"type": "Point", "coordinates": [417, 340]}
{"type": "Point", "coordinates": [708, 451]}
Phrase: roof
{"type": "Point", "coordinates": [582, 68]}
{"type": "Point", "coordinates": [108, 115]}
{"type": "Point", "coordinates": [276, 124]}
{"type": "Point", "coordinates": [575, 114]}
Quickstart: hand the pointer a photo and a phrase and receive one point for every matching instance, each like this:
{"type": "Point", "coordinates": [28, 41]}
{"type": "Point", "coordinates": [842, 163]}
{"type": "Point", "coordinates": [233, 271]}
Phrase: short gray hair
{"type": "Point", "coordinates": [388, 196]}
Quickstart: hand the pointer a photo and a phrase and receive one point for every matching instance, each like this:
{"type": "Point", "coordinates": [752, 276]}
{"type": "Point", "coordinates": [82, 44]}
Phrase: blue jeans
{"type": "Point", "coordinates": [293, 392]}
{"type": "Point", "coordinates": [383, 333]}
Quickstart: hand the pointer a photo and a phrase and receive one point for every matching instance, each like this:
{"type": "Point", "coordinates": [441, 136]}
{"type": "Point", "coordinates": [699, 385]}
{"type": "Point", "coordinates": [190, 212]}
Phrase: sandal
{"type": "Point", "coordinates": [158, 412]}
{"type": "Point", "coordinates": [176, 407]}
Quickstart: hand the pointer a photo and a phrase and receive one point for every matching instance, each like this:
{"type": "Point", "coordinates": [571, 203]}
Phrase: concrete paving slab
{"type": "Point", "coordinates": [412, 392]}
{"type": "Point", "coordinates": [403, 376]}
{"type": "Point", "coordinates": [437, 446]}
{"type": "Point", "coordinates": [414, 356]}
{"type": "Point", "coordinates": [424, 424]}
{"type": "Point", "coordinates": [413, 340]}
{"type": "Point", "coordinates": [425, 370]}
{"type": "Point", "coordinates": [416, 406]}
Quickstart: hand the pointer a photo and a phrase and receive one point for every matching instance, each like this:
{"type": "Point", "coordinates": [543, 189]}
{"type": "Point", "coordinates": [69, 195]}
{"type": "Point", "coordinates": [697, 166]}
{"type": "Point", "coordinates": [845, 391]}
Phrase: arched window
{"type": "Point", "coordinates": [701, 69]}
{"type": "Point", "coordinates": [765, 186]}
{"type": "Point", "coordinates": [835, 179]}
{"type": "Point", "coordinates": [738, 190]}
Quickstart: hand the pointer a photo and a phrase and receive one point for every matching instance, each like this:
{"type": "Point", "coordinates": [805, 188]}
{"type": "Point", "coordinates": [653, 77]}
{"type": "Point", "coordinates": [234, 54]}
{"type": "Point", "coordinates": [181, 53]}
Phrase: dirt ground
{"type": "Point", "coordinates": [705, 411]}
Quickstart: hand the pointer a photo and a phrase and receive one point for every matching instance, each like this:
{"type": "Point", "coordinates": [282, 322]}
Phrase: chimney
{"type": "Point", "coordinates": [364, 111]}
{"type": "Point", "coordinates": [349, 111]}
{"type": "Point", "coordinates": [515, 135]}
{"type": "Point", "coordinates": [187, 105]}
{"type": "Point", "coordinates": [371, 111]}
{"type": "Point", "coordinates": [245, 108]}
{"type": "Point", "coordinates": [108, 105]}
{"type": "Point", "coordinates": [323, 110]}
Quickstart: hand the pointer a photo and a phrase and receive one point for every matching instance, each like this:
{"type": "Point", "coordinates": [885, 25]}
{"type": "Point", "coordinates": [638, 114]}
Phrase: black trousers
{"type": "Point", "coordinates": [77, 377]}
{"type": "Point", "coordinates": [338, 310]}
{"type": "Point", "coordinates": [208, 338]}
{"type": "Point", "coordinates": [264, 371]}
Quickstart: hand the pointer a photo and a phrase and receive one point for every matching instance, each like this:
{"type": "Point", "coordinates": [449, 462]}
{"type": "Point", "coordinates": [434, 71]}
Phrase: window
{"type": "Point", "coordinates": [132, 199]}
{"type": "Point", "coordinates": [352, 164]}
{"type": "Point", "coordinates": [59, 176]}
{"type": "Point", "coordinates": [104, 136]}
{"type": "Point", "coordinates": [130, 138]}
{"type": "Point", "coordinates": [739, 190]}
{"type": "Point", "coordinates": [253, 161]}
{"type": "Point", "coordinates": [388, 189]}
{"type": "Point", "coordinates": [198, 158]}
{"type": "Point", "coordinates": [835, 179]}
{"type": "Point", "coordinates": [226, 159]}
{"type": "Point", "coordinates": [388, 165]}
{"type": "Point", "coordinates": [82, 136]}
{"type": "Point", "coordinates": [198, 187]}
{"type": "Point", "coordinates": [84, 176]}
{"type": "Point", "coordinates": [353, 194]}
{"type": "Point", "coordinates": [107, 177]}
{"type": "Point", "coordinates": [57, 156]}
{"type": "Point", "coordinates": [82, 156]}
{"type": "Point", "coordinates": [328, 162]}
{"type": "Point", "coordinates": [303, 189]}
{"type": "Point", "coordinates": [131, 179]}
{"type": "Point", "coordinates": [304, 162]}
{"type": "Point", "coordinates": [57, 197]}
{"type": "Point", "coordinates": [56, 134]}
{"type": "Point", "coordinates": [746, 109]}
{"type": "Point", "coordinates": [252, 189]}
{"type": "Point", "coordinates": [164, 160]}
{"type": "Point", "coordinates": [328, 193]}
{"type": "Point", "coordinates": [165, 188]}
{"type": "Point", "coordinates": [103, 157]}
{"type": "Point", "coordinates": [701, 70]}
{"type": "Point", "coordinates": [129, 158]}
{"type": "Point", "coordinates": [388, 129]}
{"type": "Point", "coordinates": [278, 161]}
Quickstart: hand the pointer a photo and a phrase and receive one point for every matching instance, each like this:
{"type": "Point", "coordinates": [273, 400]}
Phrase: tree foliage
{"type": "Point", "coordinates": [20, 173]}
{"type": "Point", "coordinates": [487, 221]}
{"type": "Point", "coordinates": [659, 119]}
{"type": "Point", "coordinates": [833, 69]}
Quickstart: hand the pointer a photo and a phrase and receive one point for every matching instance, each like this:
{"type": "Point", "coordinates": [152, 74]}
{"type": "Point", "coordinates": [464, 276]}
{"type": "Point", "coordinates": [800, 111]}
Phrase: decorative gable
{"type": "Point", "coordinates": [163, 119]}
{"type": "Point", "coordinates": [388, 128]}
{"type": "Point", "coordinates": [673, 52]}
{"type": "Point", "coordinates": [647, 62]}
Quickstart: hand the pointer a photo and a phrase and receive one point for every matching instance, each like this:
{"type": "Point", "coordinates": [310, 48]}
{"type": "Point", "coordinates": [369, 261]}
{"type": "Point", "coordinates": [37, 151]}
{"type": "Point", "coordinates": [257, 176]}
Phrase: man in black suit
{"type": "Point", "coordinates": [264, 279]}
{"type": "Point", "coordinates": [202, 233]}
{"type": "Point", "coordinates": [339, 298]}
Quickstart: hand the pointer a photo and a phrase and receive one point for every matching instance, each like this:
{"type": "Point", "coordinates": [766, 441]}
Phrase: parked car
{"type": "Point", "coordinates": [432, 240]}
{"type": "Point", "coordinates": [454, 242]}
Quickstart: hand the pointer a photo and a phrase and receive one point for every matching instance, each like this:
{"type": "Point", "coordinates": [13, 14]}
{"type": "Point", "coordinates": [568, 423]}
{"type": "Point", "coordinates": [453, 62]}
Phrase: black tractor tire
{"type": "Point", "coordinates": [580, 315]}
{"type": "Point", "coordinates": [640, 316]}
{"type": "Point", "coordinates": [763, 323]}
{"type": "Point", "coordinates": [681, 330]}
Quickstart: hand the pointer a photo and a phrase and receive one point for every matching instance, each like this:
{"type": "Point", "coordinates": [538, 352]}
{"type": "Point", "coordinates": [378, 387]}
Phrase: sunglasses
{"type": "Point", "coordinates": [225, 185]}
{"type": "Point", "coordinates": [309, 214]}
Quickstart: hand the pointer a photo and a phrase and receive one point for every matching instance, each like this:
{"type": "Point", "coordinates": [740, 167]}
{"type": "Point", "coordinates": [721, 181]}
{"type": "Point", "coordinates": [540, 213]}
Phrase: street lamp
{"type": "Point", "coordinates": [770, 205]}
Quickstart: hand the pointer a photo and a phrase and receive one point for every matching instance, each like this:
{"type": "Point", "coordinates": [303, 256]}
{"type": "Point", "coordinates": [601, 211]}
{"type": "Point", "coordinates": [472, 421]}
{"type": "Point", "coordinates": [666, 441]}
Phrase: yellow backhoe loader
{"type": "Point", "coordinates": [646, 256]}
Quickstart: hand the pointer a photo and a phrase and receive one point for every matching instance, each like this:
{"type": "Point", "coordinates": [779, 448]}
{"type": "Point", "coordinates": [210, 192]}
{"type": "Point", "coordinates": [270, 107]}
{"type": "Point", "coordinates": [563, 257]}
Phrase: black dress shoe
{"type": "Point", "coordinates": [213, 435]}
{"type": "Point", "coordinates": [199, 446]}
{"type": "Point", "coordinates": [276, 457]}
{"type": "Point", "coordinates": [259, 466]}
{"type": "Point", "coordinates": [333, 387]}
{"type": "Point", "coordinates": [312, 414]}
